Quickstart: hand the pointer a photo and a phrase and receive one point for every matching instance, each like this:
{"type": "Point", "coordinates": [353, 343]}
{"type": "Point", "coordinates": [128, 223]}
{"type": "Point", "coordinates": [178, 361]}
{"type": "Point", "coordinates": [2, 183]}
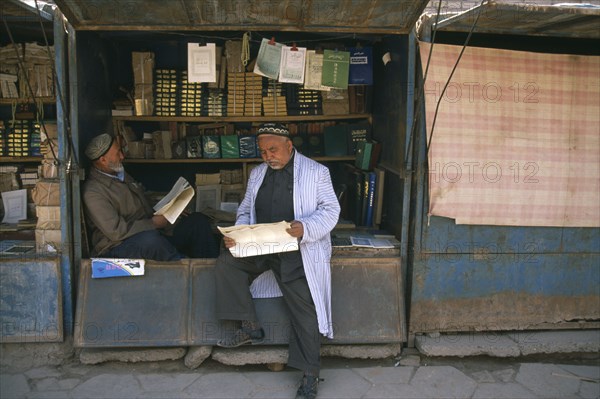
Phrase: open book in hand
{"type": "Point", "coordinates": [175, 202]}
{"type": "Point", "coordinates": [260, 239]}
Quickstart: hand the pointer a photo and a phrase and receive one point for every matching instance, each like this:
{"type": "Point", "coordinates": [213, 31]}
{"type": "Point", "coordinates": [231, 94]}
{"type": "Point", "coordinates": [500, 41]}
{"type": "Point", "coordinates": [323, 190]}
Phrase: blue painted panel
{"type": "Point", "coordinates": [442, 235]}
{"type": "Point", "coordinates": [30, 300]}
{"type": "Point", "coordinates": [451, 276]}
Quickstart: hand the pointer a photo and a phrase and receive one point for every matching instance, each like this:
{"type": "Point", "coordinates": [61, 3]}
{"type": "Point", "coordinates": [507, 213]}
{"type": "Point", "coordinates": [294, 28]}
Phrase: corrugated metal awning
{"type": "Point", "coordinates": [360, 16]}
{"type": "Point", "coordinates": [560, 20]}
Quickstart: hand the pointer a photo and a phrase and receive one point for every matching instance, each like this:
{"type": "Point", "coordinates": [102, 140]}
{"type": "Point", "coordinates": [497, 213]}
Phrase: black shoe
{"type": "Point", "coordinates": [241, 337]}
{"type": "Point", "coordinates": [308, 387]}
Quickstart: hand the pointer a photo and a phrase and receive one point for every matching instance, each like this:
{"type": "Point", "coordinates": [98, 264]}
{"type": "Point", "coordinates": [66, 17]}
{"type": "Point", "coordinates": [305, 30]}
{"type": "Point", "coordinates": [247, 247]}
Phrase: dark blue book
{"type": "Point", "coordinates": [248, 146]}
{"type": "Point", "coordinates": [371, 179]}
{"type": "Point", "coordinates": [361, 66]}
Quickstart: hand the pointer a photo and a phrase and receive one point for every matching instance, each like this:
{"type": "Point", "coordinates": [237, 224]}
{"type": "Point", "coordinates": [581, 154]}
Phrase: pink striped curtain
{"type": "Point", "coordinates": [517, 137]}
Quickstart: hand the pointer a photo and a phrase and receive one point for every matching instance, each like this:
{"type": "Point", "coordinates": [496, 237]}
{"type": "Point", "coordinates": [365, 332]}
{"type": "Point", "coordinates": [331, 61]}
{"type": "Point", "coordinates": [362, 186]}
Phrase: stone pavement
{"type": "Point", "coordinates": [411, 376]}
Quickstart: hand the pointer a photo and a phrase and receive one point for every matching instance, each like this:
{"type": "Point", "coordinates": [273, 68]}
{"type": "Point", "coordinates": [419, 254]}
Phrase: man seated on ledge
{"type": "Point", "coordinates": [287, 186]}
{"type": "Point", "coordinates": [122, 222]}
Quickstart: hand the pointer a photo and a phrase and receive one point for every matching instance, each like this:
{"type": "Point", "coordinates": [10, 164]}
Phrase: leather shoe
{"type": "Point", "coordinates": [308, 387]}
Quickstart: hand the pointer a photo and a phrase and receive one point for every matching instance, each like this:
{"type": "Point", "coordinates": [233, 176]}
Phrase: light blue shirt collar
{"type": "Point", "coordinates": [119, 176]}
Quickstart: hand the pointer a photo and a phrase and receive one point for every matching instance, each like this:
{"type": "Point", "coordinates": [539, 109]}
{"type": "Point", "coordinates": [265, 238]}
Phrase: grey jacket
{"type": "Point", "coordinates": [114, 210]}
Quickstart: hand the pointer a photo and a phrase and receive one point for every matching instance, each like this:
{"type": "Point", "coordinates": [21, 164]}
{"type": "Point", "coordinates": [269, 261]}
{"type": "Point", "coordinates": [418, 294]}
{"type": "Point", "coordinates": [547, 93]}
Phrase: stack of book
{"type": "Point", "coordinates": [35, 139]}
{"type": "Point", "coordinates": [18, 138]}
{"type": "Point", "coordinates": [254, 94]}
{"type": "Point", "coordinates": [216, 104]}
{"type": "Point", "coordinates": [3, 151]}
{"type": "Point", "coordinates": [29, 177]}
{"type": "Point", "coordinates": [193, 95]}
{"type": "Point", "coordinates": [274, 103]}
{"type": "Point", "coordinates": [143, 81]}
{"type": "Point", "coordinates": [301, 101]}
{"type": "Point", "coordinates": [166, 92]}
{"type": "Point", "coordinates": [236, 93]}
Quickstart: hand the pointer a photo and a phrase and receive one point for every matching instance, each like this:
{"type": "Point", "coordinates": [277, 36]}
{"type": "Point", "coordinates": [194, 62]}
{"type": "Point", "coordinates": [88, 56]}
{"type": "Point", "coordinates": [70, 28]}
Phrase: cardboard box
{"type": "Point", "coordinates": [136, 149]}
{"type": "Point", "coordinates": [48, 217]}
{"type": "Point", "coordinates": [162, 144]}
{"type": "Point", "coordinates": [143, 68]}
{"type": "Point", "coordinates": [47, 240]}
{"type": "Point", "coordinates": [46, 193]}
{"type": "Point", "coordinates": [206, 179]}
{"type": "Point", "coordinates": [48, 169]}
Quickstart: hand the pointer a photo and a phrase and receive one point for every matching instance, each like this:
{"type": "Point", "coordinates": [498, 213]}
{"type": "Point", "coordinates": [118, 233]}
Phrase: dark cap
{"type": "Point", "coordinates": [99, 146]}
{"type": "Point", "coordinates": [276, 129]}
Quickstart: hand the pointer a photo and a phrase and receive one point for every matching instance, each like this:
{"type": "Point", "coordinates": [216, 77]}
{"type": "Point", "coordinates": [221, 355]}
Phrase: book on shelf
{"type": "Point", "coordinates": [363, 155]}
{"type": "Point", "coordinates": [369, 192]}
{"type": "Point", "coordinates": [122, 112]}
{"type": "Point", "coordinates": [357, 132]}
{"type": "Point", "coordinates": [172, 204]}
{"type": "Point", "coordinates": [361, 66]}
{"type": "Point", "coordinates": [335, 137]}
{"type": "Point", "coordinates": [378, 198]}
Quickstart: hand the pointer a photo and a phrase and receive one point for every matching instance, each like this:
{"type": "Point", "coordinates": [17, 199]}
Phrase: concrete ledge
{"type": "Point", "coordinates": [583, 341]}
{"type": "Point", "coordinates": [467, 344]}
{"type": "Point", "coordinates": [362, 351]}
{"type": "Point", "coordinates": [132, 355]}
{"type": "Point", "coordinates": [196, 355]}
{"type": "Point", "coordinates": [250, 355]}
{"type": "Point", "coordinates": [509, 344]}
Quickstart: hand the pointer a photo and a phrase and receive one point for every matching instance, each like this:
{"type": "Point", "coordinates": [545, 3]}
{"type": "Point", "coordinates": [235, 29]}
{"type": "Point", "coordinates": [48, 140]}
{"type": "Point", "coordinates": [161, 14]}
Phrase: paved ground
{"type": "Point", "coordinates": [567, 376]}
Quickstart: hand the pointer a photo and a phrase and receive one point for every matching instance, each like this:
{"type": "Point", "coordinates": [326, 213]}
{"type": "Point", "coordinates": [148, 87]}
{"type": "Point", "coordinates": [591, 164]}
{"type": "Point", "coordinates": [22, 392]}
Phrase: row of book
{"type": "Point", "coordinates": [362, 199]}
{"type": "Point", "coordinates": [246, 94]}
{"type": "Point", "coordinates": [20, 138]}
{"type": "Point", "coordinates": [228, 140]}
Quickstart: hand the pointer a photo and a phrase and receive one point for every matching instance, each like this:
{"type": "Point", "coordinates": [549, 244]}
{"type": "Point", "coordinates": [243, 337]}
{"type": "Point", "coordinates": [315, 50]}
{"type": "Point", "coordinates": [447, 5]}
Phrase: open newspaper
{"type": "Point", "coordinates": [175, 202]}
{"type": "Point", "coordinates": [260, 239]}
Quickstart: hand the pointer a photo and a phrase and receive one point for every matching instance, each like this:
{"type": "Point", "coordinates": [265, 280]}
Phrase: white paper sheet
{"type": "Point", "coordinates": [201, 63]}
{"type": "Point", "coordinates": [260, 239]}
{"type": "Point", "coordinates": [291, 68]}
{"type": "Point", "coordinates": [15, 206]}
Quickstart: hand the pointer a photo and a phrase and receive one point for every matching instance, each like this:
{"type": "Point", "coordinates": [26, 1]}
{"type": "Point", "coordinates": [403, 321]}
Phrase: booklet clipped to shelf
{"type": "Point", "coordinates": [260, 239]}
{"type": "Point", "coordinates": [175, 201]}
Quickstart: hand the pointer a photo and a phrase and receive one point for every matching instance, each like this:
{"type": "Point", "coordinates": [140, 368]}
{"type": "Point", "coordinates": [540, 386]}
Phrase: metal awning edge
{"type": "Point", "coordinates": [489, 7]}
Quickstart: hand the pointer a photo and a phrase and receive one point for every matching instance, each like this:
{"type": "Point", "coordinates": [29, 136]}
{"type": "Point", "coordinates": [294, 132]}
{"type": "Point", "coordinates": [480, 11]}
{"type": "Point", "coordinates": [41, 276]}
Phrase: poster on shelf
{"type": "Point", "coordinates": [268, 60]}
{"type": "Point", "coordinates": [314, 71]}
{"type": "Point", "coordinates": [291, 69]}
{"type": "Point", "coordinates": [336, 66]}
{"type": "Point", "coordinates": [201, 63]}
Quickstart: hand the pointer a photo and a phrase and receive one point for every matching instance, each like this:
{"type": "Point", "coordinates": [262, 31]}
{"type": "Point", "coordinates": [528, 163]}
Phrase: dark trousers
{"type": "Point", "coordinates": [234, 302]}
{"type": "Point", "coordinates": [192, 237]}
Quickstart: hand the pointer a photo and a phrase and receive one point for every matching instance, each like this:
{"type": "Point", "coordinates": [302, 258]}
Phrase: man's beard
{"type": "Point", "coordinates": [116, 167]}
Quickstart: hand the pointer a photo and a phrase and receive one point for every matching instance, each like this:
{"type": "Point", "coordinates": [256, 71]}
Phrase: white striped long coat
{"type": "Point", "coordinates": [317, 207]}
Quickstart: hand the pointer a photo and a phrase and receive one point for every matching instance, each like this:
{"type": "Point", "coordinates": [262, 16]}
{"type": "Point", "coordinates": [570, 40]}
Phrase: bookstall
{"type": "Point", "coordinates": [30, 210]}
{"type": "Point", "coordinates": [134, 80]}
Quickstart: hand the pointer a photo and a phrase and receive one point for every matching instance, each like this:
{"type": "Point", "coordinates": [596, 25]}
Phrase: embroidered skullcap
{"type": "Point", "coordinates": [273, 128]}
{"type": "Point", "coordinates": [99, 146]}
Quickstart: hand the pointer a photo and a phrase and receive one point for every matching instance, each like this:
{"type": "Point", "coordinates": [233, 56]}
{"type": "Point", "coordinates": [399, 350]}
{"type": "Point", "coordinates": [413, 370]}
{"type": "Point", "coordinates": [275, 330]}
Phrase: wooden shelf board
{"type": "Point", "coordinates": [45, 100]}
{"type": "Point", "coordinates": [20, 159]}
{"type": "Point", "coordinates": [233, 119]}
{"type": "Point", "coordinates": [228, 160]}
